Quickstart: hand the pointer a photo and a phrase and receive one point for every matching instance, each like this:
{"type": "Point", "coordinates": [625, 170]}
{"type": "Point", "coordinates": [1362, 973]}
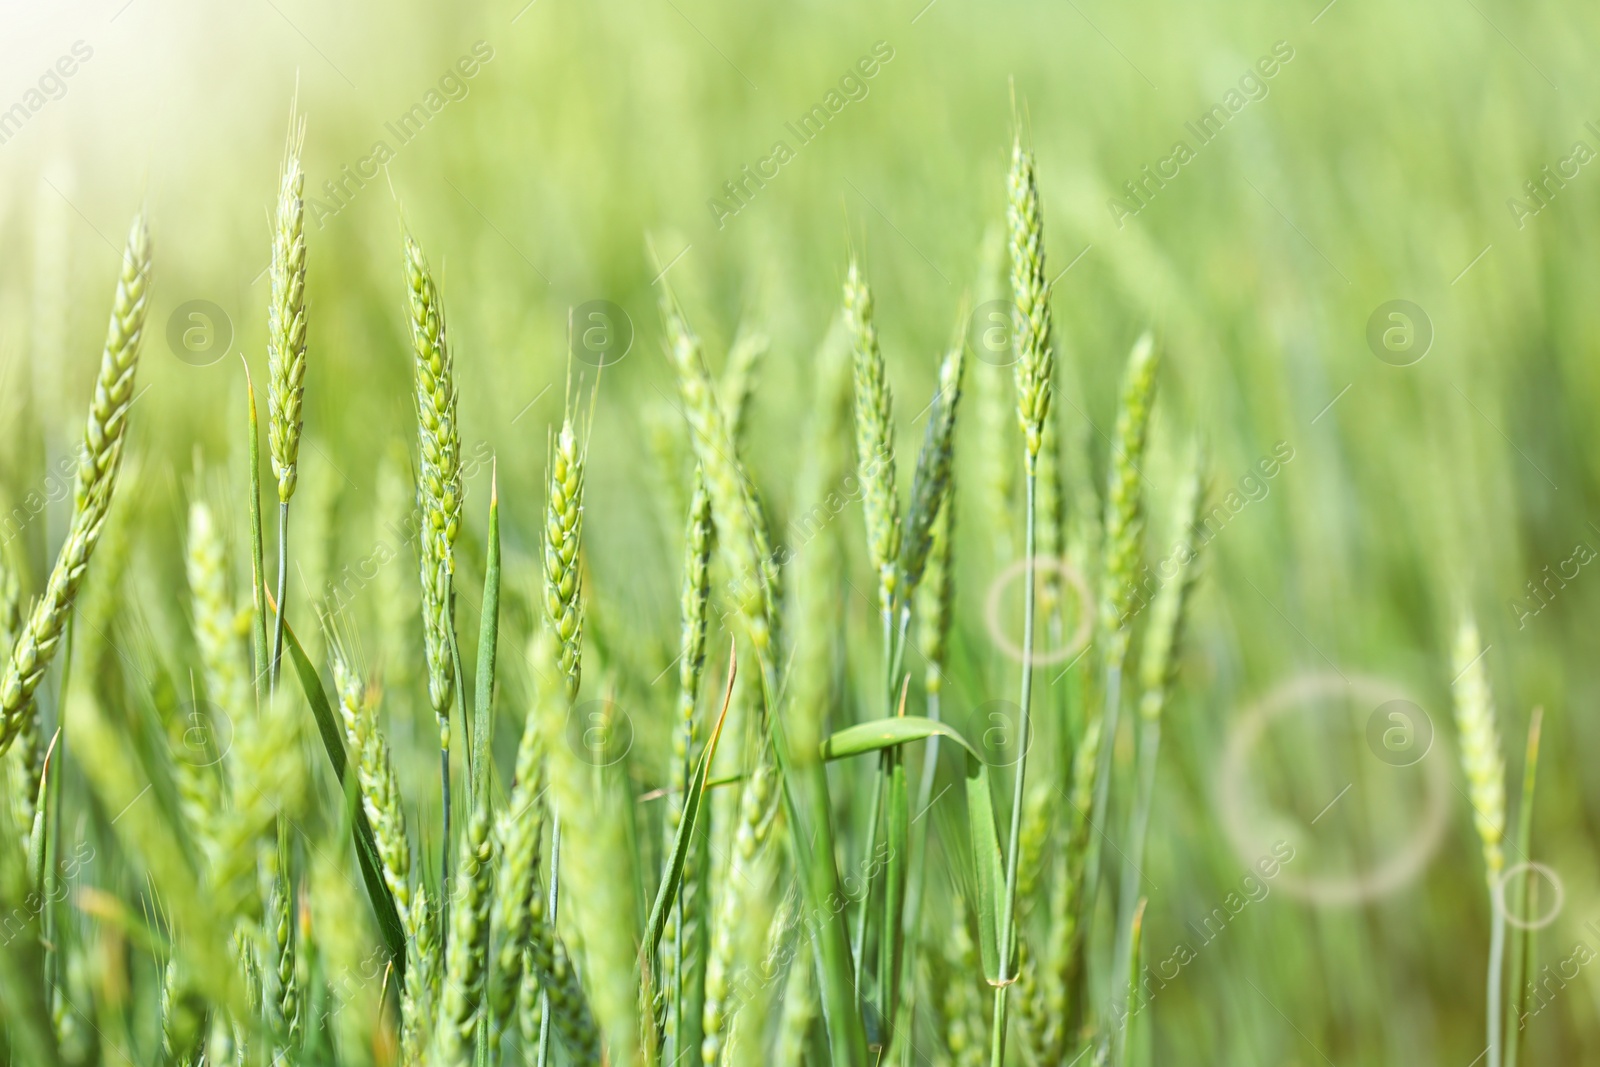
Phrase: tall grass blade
{"type": "Point", "coordinates": [258, 617]}
{"type": "Point", "coordinates": [383, 906]}
{"type": "Point", "coordinates": [693, 802]}
{"type": "Point", "coordinates": [488, 642]}
{"type": "Point", "coordinates": [1522, 890]}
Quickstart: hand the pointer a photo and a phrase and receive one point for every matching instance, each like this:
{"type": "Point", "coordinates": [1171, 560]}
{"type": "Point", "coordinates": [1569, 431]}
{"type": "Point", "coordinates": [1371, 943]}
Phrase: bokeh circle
{"type": "Point", "coordinates": [1241, 821]}
{"type": "Point", "coordinates": [1042, 565]}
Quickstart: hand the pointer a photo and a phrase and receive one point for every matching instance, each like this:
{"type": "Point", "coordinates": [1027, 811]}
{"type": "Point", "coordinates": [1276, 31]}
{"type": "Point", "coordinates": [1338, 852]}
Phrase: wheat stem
{"type": "Point", "coordinates": [1008, 914]}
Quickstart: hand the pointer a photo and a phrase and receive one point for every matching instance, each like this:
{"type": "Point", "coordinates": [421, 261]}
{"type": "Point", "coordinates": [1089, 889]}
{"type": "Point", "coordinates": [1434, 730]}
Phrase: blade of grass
{"type": "Point", "coordinates": [36, 838]}
{"type": "Point", "coordinates": [693, 801]}
{"type": "Point", "coordinates": [394, 937]}
{"type": "Point", "coordinates": [885, 733]}
{"type": "Point", "coordinates": [896, 832]}
{"type": "Point", "coordinates": [488, 640]}
{"type": "Point", "coordinates": [258, 618]}
{"type": "Point", "coordinates": [812, 848]}
{"type": "Point", "coordinates": [858, 940]}
{"type": "Point", "coordinates": [554, 902]}
{"type": "Point", "coordinates": [1530, 767]}
{"type": "Point", "coordinates": [1123, 1037]}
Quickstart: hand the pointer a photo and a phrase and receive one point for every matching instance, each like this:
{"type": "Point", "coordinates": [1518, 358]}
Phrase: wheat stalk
{"type": "Point", "coordinates": [1035, 366]}
{"type": "Point", "coordinates": [96, 479]}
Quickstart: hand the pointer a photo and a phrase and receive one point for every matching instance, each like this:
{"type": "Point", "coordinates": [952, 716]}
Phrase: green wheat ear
{"type": "Point", "coordinates": [23, 764]}
{"type": "Point", "coordinates": [1480, 748]}
{"type": "Point", "coordinates": [874, 438]}
{"type": "Point", "coordinates": [438, 475]}
{"type": "Point", "coordinates": [930, 483]}
{"type": "Point", "coordinates": [466, 958]}
{"type": "Point", "coordinates": [1030, 292]}
{"type": "Point", "coordinates": [1124, 523]}
{"type": "Point", "coordinates": [96, 479]}
{"type": "Point", "coordinates": [286, 320]}
{"type": "Point", "coordinates": [741, 530]}
{"type": "Point", "coordinates": [380, 787]}
{"type": "Point", "coordinates": [563, 538]}
{"type": "Point", "coordinates": [216, 617]}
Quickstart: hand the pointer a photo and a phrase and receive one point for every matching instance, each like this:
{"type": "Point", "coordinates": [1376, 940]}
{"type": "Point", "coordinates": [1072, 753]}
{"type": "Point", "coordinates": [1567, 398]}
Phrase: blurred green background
{"type": "Point", "coordinates": [576, 164]}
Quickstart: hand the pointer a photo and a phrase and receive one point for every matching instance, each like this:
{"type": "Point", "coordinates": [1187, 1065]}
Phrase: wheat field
{"type": "Point", "coordinates": [949, 534]}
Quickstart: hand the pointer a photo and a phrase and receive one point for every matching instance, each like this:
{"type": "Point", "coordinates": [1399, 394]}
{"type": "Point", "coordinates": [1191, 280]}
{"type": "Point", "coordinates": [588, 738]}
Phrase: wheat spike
{"type": "Point", "coordinates": [438, 477]}
{"type": "Point", "coordinates": [757, 809]}
{"type": "Point", "coordinates": [216, 618]}
{"type": "Point", "coordinates": [1159, 663]}
{"type": "Point", "coordinates": [1030, 293]}
{"type": "Point", "coordinates": [96, 478]}
{"type": "Point", "coordinates": [421, 990]}
{"type": "Point", "coordinates": [1480, 748]}
{"type": "Point", "coordinates": [742, 534]}
{"type": "Point", "coordinates": [23, 762]}
{"type": "Point", "coordinates": [1124, 526]}
{"type": "Point", "coordinates": [380, 787]}
{"type": "Point", "coordinates": [935, 603]}
{"type": "Point", "coordinates": [286, 320]}
{"type": "Point", "coordinates": [737, 385]}
{"type": "Point", "coordinates": [874, 417]}
{"type": "Point", "coordinates": [930, 483]}
{"type": "Point", "coordinates": [466, 958]}
{"type": "Point", "coordinates": [563, 536]}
